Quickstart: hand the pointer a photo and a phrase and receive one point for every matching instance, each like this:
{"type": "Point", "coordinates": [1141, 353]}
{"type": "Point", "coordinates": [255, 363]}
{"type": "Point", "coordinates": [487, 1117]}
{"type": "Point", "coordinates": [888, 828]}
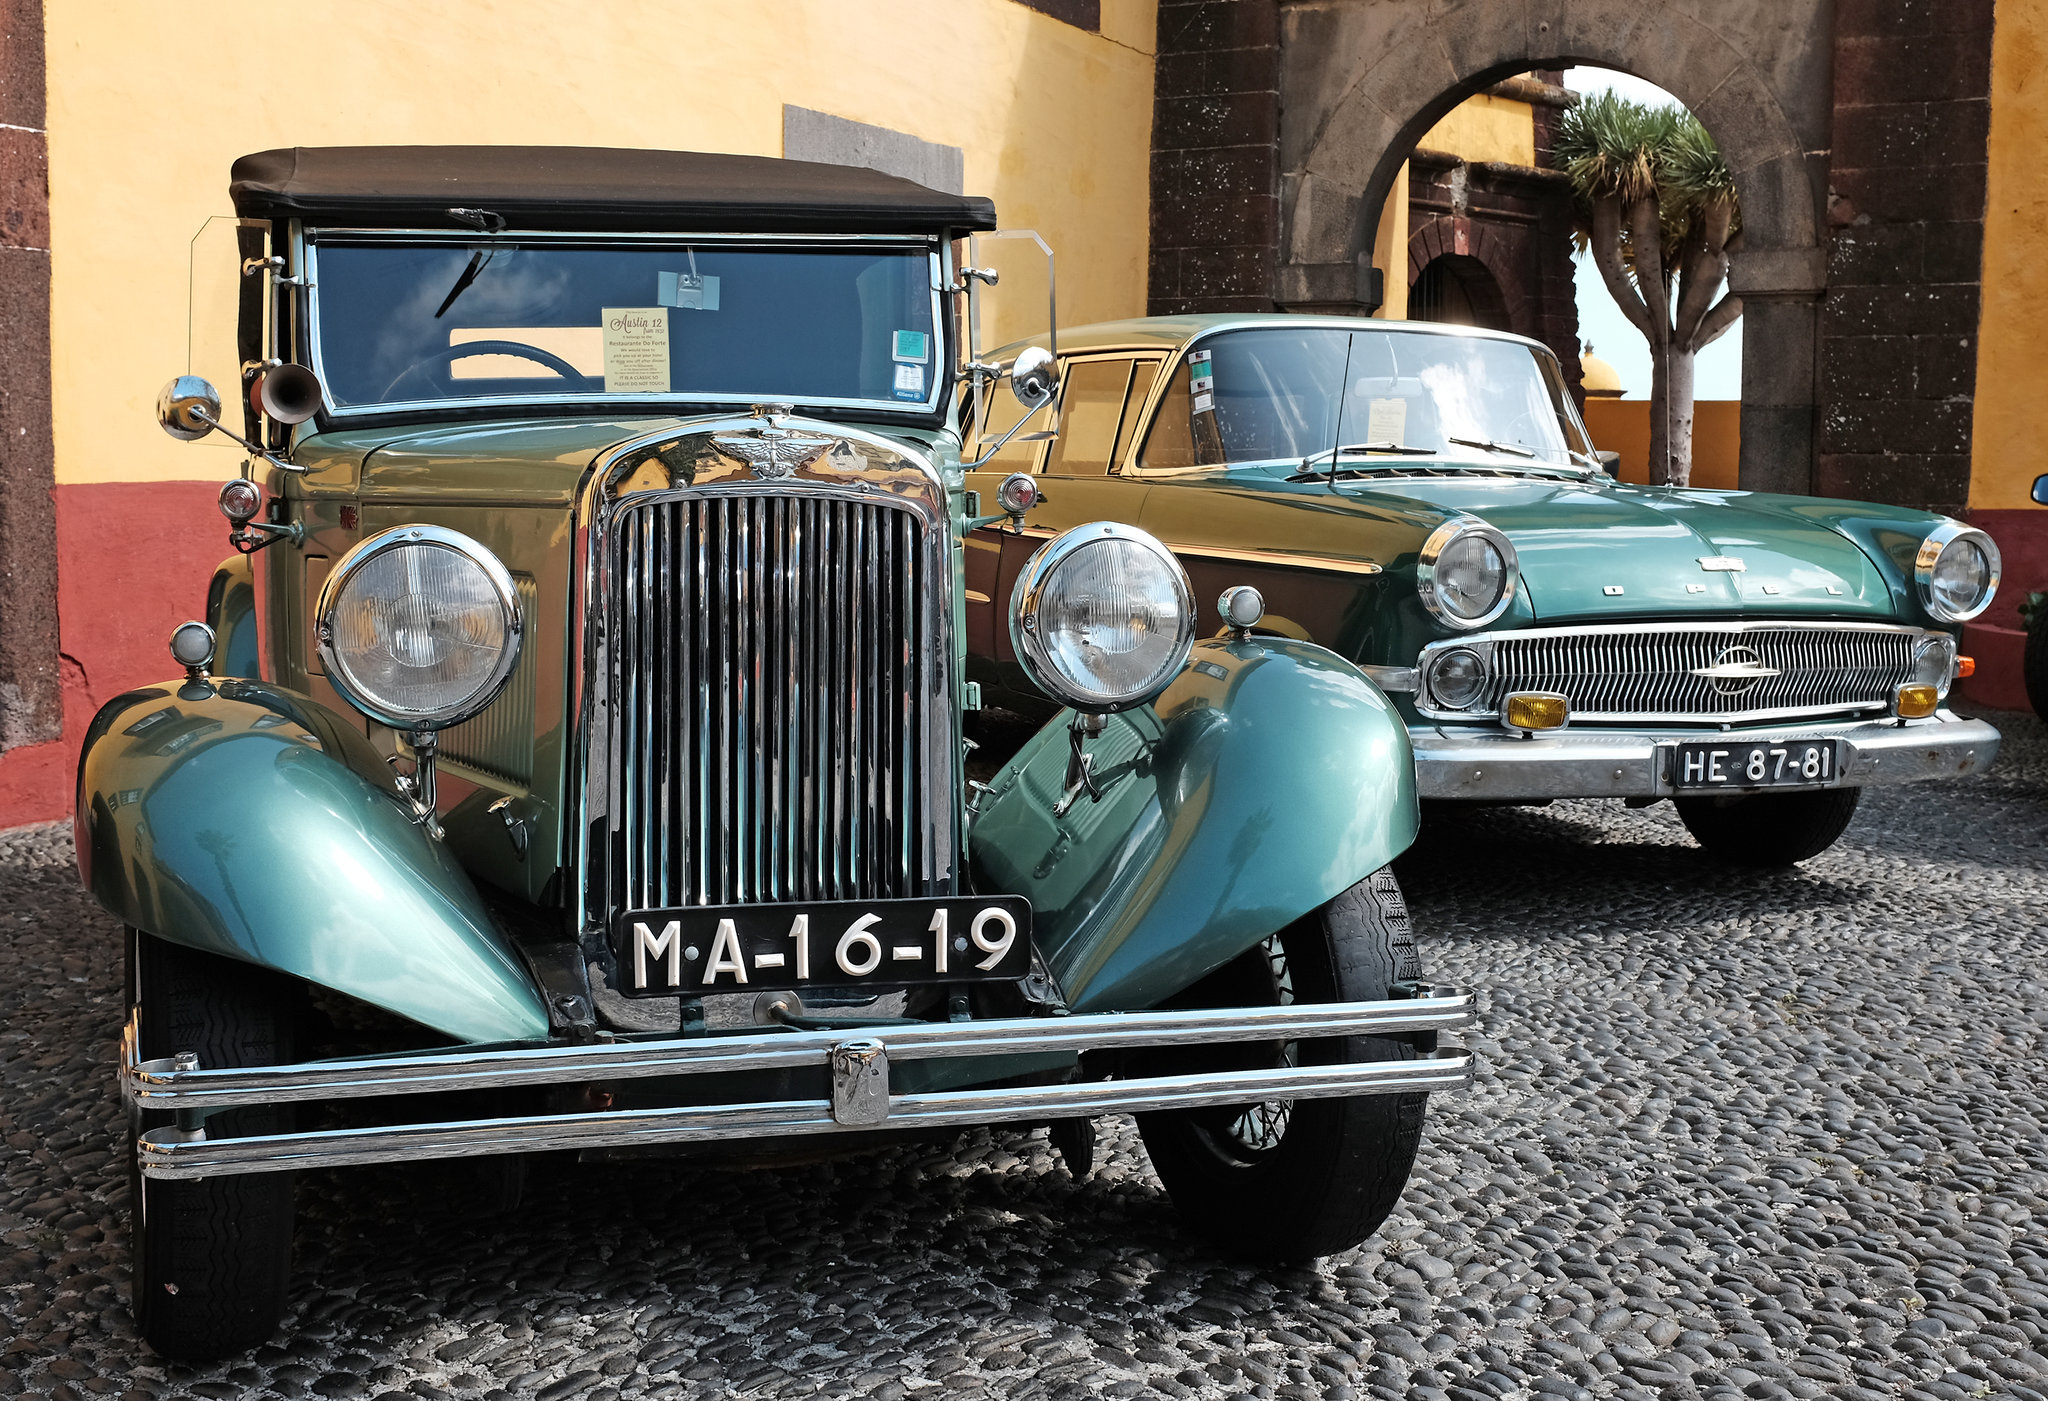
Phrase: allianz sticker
{"type": "Point", "coordinates": [911, 348]}
{"type": "Point", "coordinates": [910, 382]}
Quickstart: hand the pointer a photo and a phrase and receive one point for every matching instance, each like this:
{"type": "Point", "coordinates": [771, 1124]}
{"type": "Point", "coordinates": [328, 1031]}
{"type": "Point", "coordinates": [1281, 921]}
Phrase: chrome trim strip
{"type": "Point", "coordinates": [1567, 638]}
{"type": "Point", "coordinates": [165, 1154]}
{"type": "Point", "coordinates": [1488, 764]}
{"type": "Point", "coordinates": [1277, 559]}
{"type": "Point", "coordinates": [155, 1084]}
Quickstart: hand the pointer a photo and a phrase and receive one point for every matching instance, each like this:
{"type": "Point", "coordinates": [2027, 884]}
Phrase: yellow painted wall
{"type": "Point", "coordinates": [1486, 128]}
{"type": "Point", "coordinates": [1623, 426]}
{"type": "Point", "coordinates": [1390, 250]}
{"type": "Point", "coordinates": [149, 103]}
{"type": "Point", "coordinates": [2012, 338]}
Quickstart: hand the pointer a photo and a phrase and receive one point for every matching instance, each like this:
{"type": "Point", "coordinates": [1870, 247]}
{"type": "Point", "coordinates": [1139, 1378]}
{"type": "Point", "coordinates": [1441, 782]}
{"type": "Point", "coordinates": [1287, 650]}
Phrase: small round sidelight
{"type": "Point", "coordinates": [192, 647]}
{"type": "Point", "coordinates": [1017, 494]}
{"type": "Point", "coordinates": [1241, 607]}
{"type": "Point", "coordinates": [240, 500]}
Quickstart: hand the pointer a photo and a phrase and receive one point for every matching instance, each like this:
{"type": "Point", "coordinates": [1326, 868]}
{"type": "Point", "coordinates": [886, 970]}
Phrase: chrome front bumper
{"type": "Point", "coordinates": [1476, 763]}
{"type": "Point", "coordinates": [858, 1064]}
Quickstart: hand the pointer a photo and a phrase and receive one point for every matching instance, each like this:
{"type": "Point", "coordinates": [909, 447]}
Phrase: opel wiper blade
{"type": "Point", "coordinates": [1392, 447]}
{"type": "Point", "coordinates": [1490, 446]}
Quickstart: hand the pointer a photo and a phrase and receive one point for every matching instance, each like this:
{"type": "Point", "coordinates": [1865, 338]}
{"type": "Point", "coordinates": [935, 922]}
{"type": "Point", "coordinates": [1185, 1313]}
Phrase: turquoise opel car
{"type": "Point", "coordinates": [1424, 501]}
{"type": "Point", "coordinates": [570, 757]}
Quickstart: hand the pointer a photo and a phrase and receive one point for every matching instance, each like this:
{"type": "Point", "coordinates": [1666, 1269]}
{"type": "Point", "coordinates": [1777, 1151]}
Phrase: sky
{"type": "Point", "coordinates": [1719, 370]}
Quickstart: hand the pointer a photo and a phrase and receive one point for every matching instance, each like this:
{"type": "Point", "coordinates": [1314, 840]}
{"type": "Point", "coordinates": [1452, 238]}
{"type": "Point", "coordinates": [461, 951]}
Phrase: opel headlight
{"type": "Point", "coordinates": [419, 627]}
{"type": "Point", "coordinates": [1934, 661]}
{"type": "Point", "coordinates": [1457, 678]}
{"type": "Point", "coordinates": [1102, 617]}
{"type": "Point", "coordinates": [1957, 572]}
{"type": "Point", "coordinates": [1466, 573]}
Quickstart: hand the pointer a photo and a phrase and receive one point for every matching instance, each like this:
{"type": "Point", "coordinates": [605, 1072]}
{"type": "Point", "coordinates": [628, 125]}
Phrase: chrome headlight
{"type": "Point", "coordinates": [1466, 573]}
{"type": "Point", "coordinates": [419, 627]}
{"type": "Point", "coordinates": [1456, 679]}
{"type": "Point", "coordinates": [1956, 572]}
{"type": "Point", "coordinates": [1934, 661]}
{"type": "Point", "coordinates": [1102, 617]}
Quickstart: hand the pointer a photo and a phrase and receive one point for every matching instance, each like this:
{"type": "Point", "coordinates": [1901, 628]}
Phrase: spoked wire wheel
{"type": "Point", "coordinates": [1260, 1128]}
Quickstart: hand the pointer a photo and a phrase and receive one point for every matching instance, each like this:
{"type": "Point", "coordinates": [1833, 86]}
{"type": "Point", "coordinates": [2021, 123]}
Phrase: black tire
{"type": "Point", "coordinates": [1293, 1181]}
{"type": "Point", "coordinates": [1770, 829]}
{"type": "Point", "coordinates": [2034, 665]}
{"type": "Point", "coordinates": [211, 1259]}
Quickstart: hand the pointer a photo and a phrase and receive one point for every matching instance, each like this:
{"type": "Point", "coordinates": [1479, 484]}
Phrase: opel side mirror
{"type": "Point", "coordinates": [2041, 490]}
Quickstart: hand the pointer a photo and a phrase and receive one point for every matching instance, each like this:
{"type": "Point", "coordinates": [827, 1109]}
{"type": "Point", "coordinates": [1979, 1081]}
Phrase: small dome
{"type": "Point", "coordinates": [1598, 378]}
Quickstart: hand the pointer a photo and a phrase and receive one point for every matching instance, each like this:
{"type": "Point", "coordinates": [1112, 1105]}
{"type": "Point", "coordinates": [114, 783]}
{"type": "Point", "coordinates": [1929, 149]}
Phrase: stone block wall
{"type": "Point", "coordinates": [31, 698]}
{"type": "Point", "coordinates": [1906, 190]}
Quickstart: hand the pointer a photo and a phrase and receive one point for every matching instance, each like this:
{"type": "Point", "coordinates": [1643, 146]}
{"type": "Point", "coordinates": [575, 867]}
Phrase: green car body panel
{"type": "Point", "coordinates": [1270, 777]}
{"type": "Point", "coordinates": [240, 819]}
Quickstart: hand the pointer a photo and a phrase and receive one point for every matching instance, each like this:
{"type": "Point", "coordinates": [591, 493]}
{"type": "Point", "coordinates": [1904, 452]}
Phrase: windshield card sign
{"type": "Point", "coordinates": [636, 350]}
{"type": "Point", "coordinates": [910, 347]}
{"type": "Point", "coordinates": [1387, 422]}
{"type": "Point", "coordinates": [695, 949]}
{"type": "Point", "coordinates": [686, 291]}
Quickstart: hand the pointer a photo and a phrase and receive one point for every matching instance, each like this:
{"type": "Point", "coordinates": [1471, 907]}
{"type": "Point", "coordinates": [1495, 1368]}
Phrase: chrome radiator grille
{"type": "Point", "coordinates": [1654, 673]}
{"type": "Point", "coordinates": [766, 721]}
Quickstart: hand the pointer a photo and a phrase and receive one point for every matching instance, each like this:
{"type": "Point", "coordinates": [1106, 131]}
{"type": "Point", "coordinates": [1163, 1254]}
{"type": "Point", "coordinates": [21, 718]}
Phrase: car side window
{"type": "Point", "coordinates": [1180, 437]}
{"type": "Point", "coordinates": [1092, 396]}
{"type": "Point", "coordinates": [1142, 376]}
{"type": "Point", "coordinates": [1000, 411]}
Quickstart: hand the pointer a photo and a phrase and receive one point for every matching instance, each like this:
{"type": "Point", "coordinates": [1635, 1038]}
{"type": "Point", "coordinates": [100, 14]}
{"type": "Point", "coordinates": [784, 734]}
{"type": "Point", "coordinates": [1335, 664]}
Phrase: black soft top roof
{"type": "Point", "coordinates": [589, 187]}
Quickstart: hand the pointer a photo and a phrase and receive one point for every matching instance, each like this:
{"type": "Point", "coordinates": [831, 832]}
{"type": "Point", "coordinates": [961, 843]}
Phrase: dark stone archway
{"type": "Point", "coordinates": [1364, 81]}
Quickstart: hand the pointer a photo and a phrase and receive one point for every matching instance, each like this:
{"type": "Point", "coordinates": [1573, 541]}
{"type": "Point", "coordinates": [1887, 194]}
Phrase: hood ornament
{"type": "Point", "coordinates": [770, 450]}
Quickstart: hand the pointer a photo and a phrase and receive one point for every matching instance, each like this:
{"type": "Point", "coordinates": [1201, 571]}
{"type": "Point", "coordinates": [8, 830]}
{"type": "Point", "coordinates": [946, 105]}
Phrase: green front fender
{"type": "Point", "coordinates": [246, 820]}
{"type": "Point", "coordinates": [1270, 777]}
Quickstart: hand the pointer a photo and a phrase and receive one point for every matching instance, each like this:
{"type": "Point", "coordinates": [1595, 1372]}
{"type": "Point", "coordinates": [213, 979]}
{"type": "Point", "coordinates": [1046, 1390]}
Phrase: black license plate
{"type": "Point", "coordinates": [849, 943]}
{"type": "Point", "coordinates": [1776, 764]}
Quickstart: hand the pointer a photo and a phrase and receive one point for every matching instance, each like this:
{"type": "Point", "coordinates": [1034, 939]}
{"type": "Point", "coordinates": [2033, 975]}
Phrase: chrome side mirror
{"type": "Point", "coordinates": [188, 408]}
{"type": "Point", "coordinates": [1033, 376]}
{"type": "Point", "coordinates": [2041, 490]}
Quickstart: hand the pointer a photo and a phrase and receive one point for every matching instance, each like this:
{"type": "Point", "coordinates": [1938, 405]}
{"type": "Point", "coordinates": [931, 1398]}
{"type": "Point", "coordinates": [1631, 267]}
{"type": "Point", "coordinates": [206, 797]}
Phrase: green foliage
{"type": "Point", "coordinates": [1612, 146]}
{"type": "Point", "coordinates": [2030, 607]}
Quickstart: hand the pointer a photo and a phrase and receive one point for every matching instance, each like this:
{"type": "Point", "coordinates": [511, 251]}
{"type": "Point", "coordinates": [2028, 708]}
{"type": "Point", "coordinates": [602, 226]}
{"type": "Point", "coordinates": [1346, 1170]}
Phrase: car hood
{"type": "Point", "coordinates": [1605, 549]}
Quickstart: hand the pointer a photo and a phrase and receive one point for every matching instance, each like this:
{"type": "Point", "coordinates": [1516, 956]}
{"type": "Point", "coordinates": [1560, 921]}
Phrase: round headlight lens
{"type": "Point", "coordinates": [419, 627]}
{"type": "Point", "coordinates": [1466, 573]}
{"type": "Point", "coordinates": [1934, 662]}
{"type": "Point", "coordinates": [1957, 571]}
{"type": "Point", "coordinates": [1457, 678]}
{"type": "Point", "coordinates": [1102, 617]}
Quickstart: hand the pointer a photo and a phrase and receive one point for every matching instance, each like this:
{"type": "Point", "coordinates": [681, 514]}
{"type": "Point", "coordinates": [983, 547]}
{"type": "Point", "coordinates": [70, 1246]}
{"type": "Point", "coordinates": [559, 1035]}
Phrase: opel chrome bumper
{"type": "Point", "coordinates": [1496, 764]}
{"type": "Point", "coordinates": [858, 1064]}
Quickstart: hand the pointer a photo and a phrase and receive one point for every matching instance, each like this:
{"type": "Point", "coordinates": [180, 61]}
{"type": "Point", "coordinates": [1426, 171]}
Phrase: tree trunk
{"type": "Point", "coordinates": [1678, 386]}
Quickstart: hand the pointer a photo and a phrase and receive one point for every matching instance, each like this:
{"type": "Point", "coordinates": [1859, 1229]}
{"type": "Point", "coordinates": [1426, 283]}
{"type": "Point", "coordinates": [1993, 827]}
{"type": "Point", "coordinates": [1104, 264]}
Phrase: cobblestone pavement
{"type": "Point", "coordinates": [1734, 1135]}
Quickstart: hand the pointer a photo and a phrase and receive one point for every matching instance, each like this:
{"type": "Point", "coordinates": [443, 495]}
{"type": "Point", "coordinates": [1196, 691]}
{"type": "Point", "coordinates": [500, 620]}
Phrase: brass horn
{"type": "Point", "coordinates": [288, 393]}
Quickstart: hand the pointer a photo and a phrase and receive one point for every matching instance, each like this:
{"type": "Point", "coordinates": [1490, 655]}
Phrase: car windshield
{"type": "Point", "coordinates": [433, 321]}
{"type": "Point", "coordinates": [1270, 394]}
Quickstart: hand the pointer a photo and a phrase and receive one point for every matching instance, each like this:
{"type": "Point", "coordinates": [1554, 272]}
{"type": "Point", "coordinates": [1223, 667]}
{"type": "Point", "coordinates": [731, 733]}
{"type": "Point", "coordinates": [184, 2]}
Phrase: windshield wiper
{"type": "Point", "coordinates": [1489, 445]}
{"type": "Point", "coordinates": [484, 221]}
{"type": "Point", "coordinates": [1309, 474]}
{"type": "Point", "coordinates": [1392, 447]}
{"type": "Point", "coordinates": [477, 260]}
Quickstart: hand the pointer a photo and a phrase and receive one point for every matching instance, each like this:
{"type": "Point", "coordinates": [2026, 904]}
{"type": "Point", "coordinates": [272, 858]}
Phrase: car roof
{"type": "Point", "coordinates": [1173, 332]}
{"type": "Point", "coordinates": [589, 188]}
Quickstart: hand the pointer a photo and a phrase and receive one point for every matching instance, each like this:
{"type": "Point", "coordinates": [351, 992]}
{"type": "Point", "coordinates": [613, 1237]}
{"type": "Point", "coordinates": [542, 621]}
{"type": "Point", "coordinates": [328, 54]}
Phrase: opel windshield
{"type": "Point", "coordinates": [1272, 395]}
{"type": "Point", "coordinates": [425, 322]}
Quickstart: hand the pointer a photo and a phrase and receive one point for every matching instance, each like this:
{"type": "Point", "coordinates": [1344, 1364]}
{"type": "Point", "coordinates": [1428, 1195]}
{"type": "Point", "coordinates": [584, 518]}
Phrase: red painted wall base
{"type": "Point", "coordinates": [133, 561]}
{"type": "Point", "coordinates": [1996, 640]}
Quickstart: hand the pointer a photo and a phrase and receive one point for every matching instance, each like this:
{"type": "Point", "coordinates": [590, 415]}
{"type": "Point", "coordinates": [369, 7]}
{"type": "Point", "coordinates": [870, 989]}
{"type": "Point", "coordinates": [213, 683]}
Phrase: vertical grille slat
{"type": "Point", "coordinates": [770, 705]}
{"type": "Point", "coordinates": [1650, 673]}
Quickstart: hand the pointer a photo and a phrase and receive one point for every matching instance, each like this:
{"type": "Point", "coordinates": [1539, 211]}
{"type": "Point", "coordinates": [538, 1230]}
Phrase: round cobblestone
{"type": "Point", "coordinates": [1734, 1135]}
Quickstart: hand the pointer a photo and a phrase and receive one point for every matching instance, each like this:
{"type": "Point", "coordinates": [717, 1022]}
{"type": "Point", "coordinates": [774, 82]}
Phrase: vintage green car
{"type": "Point", "coordinates": [577, 733]}
{"type": "Point", "coordinates": [1545, 630]}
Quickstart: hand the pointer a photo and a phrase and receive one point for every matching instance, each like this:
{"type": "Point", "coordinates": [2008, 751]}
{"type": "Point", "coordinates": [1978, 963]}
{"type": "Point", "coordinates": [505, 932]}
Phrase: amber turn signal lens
{"type": "Point", "coordinates": [1965, 666]}
{"type": "Point", "coordinates": [1916, 700]}
{"type": "Point", "coordinates": [1535, 710]}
